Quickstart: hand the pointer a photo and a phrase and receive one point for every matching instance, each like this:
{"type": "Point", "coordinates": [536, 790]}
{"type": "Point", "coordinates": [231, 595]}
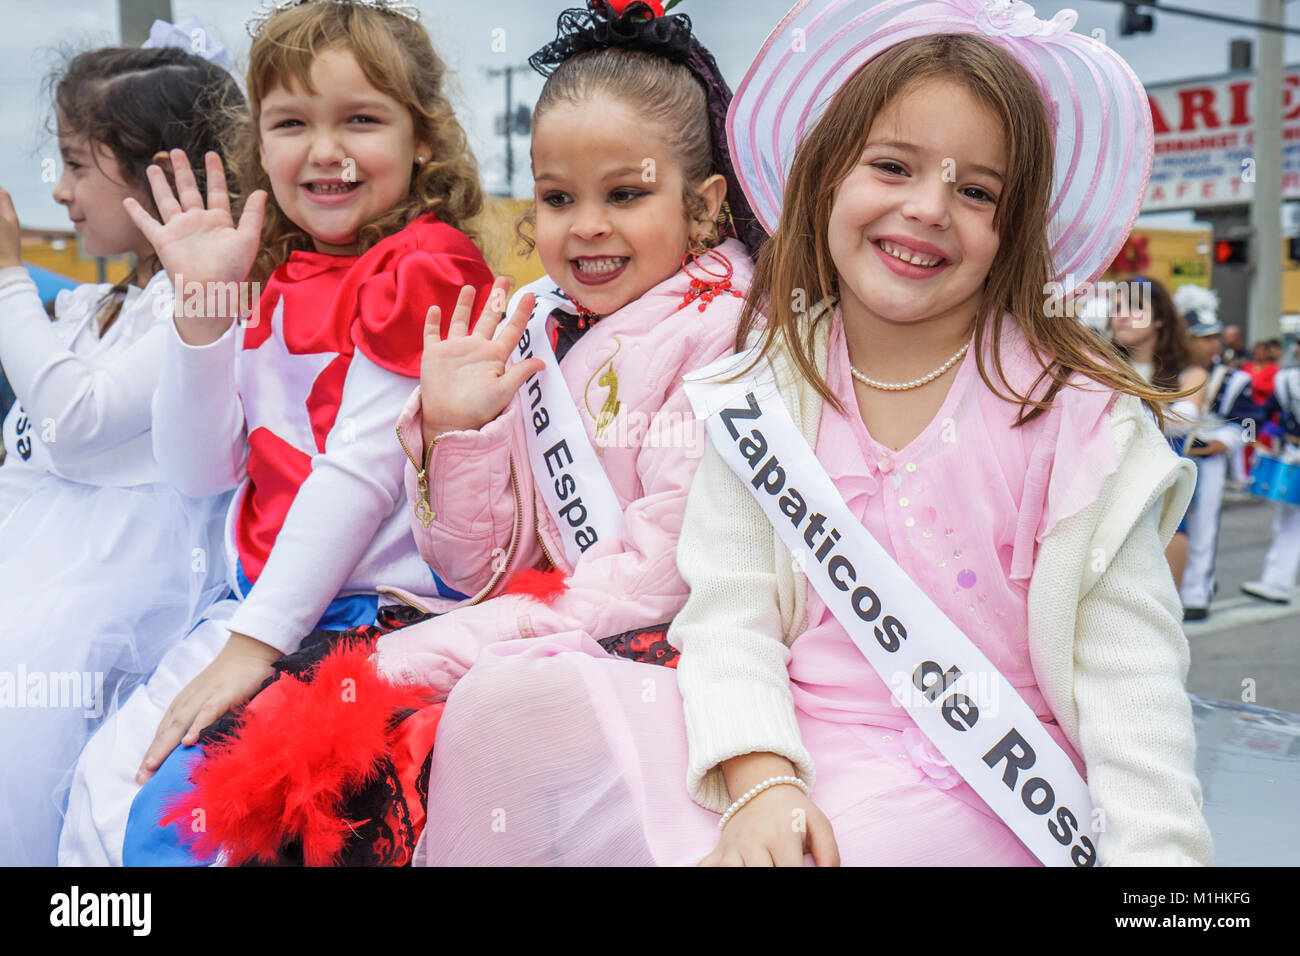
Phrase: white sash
{"type": "Point", "coordinates": [958, 698]}
{"type": "Point", "coordinates": [572, 481]}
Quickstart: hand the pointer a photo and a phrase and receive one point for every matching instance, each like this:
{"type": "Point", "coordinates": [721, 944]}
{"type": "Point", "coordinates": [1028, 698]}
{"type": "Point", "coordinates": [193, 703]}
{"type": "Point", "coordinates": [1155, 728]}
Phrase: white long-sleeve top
{"type": "Point", "coordinates": [307, 407]}
{"type": "Point", "coordinates": [346, 531]}
{"type": "Point", "coordinates": [83, 402]}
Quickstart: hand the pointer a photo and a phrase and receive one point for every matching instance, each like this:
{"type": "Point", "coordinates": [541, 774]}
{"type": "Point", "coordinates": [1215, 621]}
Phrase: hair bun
{"type": "Point", "coordinates": [638, 27]}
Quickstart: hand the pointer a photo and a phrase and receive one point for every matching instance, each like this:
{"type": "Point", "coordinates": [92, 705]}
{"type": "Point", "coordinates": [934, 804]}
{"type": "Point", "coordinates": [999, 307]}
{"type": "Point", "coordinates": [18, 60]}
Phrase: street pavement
{"type": "Point", "coordinates": [1246, 646]}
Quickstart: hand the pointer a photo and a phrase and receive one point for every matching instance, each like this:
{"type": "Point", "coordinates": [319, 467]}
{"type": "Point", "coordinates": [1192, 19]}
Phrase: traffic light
{"type": "Point", "coordinates": [1228, 252]}
{"type": "Point", "coordinates": [1131, 22]}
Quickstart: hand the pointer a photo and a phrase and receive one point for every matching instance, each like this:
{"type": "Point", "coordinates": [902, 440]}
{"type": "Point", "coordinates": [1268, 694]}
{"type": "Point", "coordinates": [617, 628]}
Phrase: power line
{"type": "Point", "coordinates": [1156, 7]}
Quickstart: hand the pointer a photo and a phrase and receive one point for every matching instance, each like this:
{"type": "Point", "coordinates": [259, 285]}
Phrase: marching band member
{"type": "Point", "coordinates": [1224, 406]}
{"type": "Point", "coordinates": [1283, 559]}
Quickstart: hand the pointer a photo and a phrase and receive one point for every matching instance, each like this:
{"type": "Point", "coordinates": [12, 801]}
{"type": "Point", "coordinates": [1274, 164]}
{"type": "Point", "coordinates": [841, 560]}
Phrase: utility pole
{"type": "Point", "coordinates": [135, 17]}
{"type": "Point", "coordinates": [1265, 314]}
{"type": "Point", "coordinates": [510, 121]}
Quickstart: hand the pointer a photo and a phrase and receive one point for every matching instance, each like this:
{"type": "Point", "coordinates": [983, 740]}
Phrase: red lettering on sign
{"type": "Point", "coordinates": [1207, 189]}
{"type": "Point", "coordinates": [1240, 93]}
{"type": "Point", "coordinates": [1158, 193]}
{"type": "Point", "coordinates": [1197, 101]}
{"type": "Point", "coordinates": [1157, 118]}
{"type": "Point", "coordinates": [1288, 96]}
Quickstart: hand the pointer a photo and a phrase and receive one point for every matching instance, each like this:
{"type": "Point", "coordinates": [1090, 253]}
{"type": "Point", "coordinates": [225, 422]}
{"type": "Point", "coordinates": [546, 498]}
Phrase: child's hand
{"type": "Point", "coordinates": [11, 242]}
{"type": "Point", "coordinates": [776, 828]}
{"type": "Point", "coordinates": [464, 382]}
{"type": "Point", "coordinates": [201, 244]}
{"type": "Point", "coordinates": [232, 678]}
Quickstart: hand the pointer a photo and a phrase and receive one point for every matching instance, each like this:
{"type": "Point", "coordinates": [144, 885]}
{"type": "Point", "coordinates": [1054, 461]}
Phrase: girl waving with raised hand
{"type": "Point", "coordinates": [103, 566]}
{"type": "Point", "coordinates": [928, 594]}
{"type": "Point", "coordinates": [369, 179]}
{"type": "Point", "coordinates": [558, 447]}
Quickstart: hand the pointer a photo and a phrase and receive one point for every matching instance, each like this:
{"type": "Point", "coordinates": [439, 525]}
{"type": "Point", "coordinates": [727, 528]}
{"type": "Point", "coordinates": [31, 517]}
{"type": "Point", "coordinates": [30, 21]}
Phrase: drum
{"type": "Point", "coordinates": [1275, 480]}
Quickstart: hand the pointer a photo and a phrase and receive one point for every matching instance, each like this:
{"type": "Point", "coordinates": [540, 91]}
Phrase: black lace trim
{"type": "Point", "coordinates": [578, 31]}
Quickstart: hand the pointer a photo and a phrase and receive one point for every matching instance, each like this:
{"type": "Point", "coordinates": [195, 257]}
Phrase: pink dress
{"type": "Point", "coordinates": [552, 752]}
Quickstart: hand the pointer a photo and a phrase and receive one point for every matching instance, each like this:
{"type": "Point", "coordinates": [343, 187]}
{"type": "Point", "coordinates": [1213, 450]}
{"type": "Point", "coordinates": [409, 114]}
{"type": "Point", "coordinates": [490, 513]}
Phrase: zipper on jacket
{"type": "Point", "coordinates": [394, 594]}
{"type": "Point", "coordinates": [423, 504]}
{"type": "Point", "coordinates": [514, 537]}
{"type": "Point", "coordinates": [545, 551]}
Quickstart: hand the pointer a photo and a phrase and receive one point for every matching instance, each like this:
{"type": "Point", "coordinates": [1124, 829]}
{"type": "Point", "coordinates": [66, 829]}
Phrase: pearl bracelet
{"type": "Point", "coordinates": [755, 790]}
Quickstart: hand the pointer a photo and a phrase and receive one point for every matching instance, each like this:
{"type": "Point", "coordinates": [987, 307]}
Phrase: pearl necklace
{"type": "Point", "coordinates": [914, 383]}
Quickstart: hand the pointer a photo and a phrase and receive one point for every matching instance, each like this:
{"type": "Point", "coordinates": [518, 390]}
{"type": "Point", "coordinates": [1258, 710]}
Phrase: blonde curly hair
{"type": "Point", "coordinates": [398, 59]}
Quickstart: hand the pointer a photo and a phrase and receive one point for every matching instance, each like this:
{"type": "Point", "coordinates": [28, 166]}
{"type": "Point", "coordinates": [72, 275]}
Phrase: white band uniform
{"type": "Point", "coordinates": [954, 693]}
{"type": "Point", "coordinates": [565, 466]}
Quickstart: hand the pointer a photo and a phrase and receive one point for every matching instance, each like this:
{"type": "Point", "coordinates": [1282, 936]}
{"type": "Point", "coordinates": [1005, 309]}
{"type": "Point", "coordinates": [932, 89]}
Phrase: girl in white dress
{"type": "Point", "coordinates": [101, 565]}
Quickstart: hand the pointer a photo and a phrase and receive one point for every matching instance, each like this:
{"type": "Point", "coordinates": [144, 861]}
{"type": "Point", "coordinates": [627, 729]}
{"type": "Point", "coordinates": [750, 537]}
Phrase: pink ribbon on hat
{"type": "Point", "coordinates": [1016, 18]}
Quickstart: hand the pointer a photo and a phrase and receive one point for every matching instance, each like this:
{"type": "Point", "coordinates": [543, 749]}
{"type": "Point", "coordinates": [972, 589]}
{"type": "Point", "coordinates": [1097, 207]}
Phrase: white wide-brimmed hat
{"type": "Point", "coordinates": [1102, 120]}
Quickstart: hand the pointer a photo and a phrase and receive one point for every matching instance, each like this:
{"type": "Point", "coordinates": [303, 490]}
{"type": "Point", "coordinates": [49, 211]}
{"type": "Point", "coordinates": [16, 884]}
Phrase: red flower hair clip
{"type": "Point", "coordinates": [618, 7]}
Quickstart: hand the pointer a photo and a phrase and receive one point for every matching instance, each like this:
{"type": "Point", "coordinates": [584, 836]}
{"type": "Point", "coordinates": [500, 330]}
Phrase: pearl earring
{"type": "Point", "coordinates": [419, 160]}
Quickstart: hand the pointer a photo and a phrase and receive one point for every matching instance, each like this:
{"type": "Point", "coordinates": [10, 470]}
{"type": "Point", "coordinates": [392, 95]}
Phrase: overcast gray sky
{"type": "Point", "coordinates": [463, 31]}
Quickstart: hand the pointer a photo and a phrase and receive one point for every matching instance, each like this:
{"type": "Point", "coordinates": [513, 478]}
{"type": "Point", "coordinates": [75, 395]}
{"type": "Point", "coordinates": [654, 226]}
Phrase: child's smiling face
{"type": "Point", "coordinates": [338, 157]}
{"type": "Point", "coordinates": [611, 220]}
{"type": "Point", "coordinates": [911, 226]}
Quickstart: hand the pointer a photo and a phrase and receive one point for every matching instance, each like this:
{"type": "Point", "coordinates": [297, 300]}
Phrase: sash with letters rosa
{"type": "Point", "coordinates": [572, 481]}
{"type": "Point", "coordinates": [958, 698]}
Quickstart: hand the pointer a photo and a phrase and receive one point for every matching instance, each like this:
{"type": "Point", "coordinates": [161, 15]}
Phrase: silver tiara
{"type": "Point", "coordinates": [271, 8]}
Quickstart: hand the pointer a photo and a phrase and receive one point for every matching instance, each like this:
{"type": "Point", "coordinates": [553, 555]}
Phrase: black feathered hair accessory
{"type": "Point", "coordinates": [641, 26]}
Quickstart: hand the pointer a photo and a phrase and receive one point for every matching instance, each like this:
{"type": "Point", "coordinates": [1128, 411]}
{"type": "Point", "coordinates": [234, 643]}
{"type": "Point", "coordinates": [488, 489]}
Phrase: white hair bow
{"type": "Point", "coordinates": [193, 37]}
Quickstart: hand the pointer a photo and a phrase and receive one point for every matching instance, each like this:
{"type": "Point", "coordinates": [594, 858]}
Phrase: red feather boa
{"type": "Point", "coordinates": [544, 586]}
{"type": "Point", "coordinates": [301, 748]}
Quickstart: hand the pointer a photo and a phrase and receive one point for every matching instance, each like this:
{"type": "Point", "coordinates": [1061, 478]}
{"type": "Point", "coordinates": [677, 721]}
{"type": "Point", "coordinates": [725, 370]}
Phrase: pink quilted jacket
{"type": "Point", "coordinates": [486, 519]}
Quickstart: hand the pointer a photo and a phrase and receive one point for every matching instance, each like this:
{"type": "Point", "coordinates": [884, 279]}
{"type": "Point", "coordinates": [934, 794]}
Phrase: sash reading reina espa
{"type": "Point", "coordinates": [573, 512]}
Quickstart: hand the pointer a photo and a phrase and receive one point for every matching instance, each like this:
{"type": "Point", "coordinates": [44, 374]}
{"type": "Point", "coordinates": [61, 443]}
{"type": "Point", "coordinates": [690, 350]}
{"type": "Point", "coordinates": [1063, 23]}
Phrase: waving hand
{"type": "Point", "coordinates": [197, 242]}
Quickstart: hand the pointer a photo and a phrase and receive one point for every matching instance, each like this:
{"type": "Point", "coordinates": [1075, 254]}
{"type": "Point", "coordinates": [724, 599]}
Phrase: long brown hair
{"type": "Point", "coordinates": [1173, 351]}
{"type": "Point", "coordinates": [796, 265]}
{"type": "Point", "coordinates": [136, 103]}
{"type": "Point", "coordinates": [398, 59]}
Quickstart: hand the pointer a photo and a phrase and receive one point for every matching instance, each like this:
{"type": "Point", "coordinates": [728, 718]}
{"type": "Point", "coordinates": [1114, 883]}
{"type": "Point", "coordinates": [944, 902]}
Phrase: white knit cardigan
{"type": "Point", "coordinates": [1105, 640]}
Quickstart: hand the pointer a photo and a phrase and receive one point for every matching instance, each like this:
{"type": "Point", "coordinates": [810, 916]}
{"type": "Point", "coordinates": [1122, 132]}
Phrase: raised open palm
{"type": "Point", "coordinates": [194, 242]}
{"type": "Point", "coordinates": [464, 382]}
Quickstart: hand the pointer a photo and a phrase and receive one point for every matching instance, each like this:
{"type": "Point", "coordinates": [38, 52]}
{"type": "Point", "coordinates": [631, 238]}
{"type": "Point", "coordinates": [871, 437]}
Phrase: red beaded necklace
{"type": "Point", "coordinates": [703, 289]}
{"type": "Point", "coordinates": [586, 318]}
{"type": "Point", "coordinates": [706, 289]}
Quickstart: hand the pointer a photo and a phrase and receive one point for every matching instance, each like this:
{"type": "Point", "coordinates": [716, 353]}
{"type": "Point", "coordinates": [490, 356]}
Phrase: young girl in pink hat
{"type": "Point", "coordinates": [928, 594]}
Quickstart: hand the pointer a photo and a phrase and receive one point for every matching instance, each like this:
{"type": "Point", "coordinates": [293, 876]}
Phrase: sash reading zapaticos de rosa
{"type": "Point", "coordinates": [565, 468]}
{"type": "Point", "coordinates": [958, 698]}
